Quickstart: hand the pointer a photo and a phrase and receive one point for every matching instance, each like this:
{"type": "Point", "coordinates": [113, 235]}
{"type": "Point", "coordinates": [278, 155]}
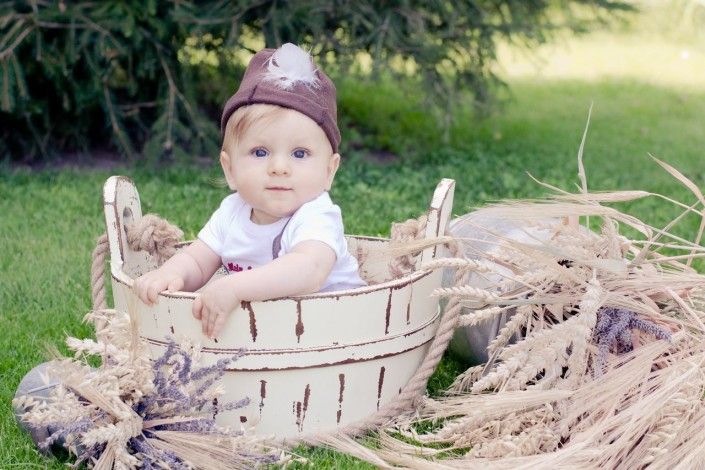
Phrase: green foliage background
{"type": "Point", "coordinates": [147, 78]}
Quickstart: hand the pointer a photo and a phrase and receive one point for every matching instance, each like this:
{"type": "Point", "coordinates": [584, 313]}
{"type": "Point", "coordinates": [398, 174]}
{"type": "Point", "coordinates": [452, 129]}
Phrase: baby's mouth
{"type": "Point", "coordinates": [278, 188]}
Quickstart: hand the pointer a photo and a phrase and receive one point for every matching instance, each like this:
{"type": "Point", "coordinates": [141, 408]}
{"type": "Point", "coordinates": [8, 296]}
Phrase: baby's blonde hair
{"type": "Point", "coordinates": [245, 117]}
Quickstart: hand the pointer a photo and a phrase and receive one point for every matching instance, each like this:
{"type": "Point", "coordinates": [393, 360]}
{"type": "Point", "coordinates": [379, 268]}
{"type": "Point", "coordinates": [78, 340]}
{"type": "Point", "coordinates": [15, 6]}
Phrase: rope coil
{"type": "Point", "coordinates": [407, 231]}
{"type": "Point", "coordinates": [152, 234]}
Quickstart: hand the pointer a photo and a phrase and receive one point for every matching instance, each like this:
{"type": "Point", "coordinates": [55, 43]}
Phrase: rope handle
{"type": "Point", "coordinates": [151, 233]}
{"type": "Point", "coordinates": [429, 226]}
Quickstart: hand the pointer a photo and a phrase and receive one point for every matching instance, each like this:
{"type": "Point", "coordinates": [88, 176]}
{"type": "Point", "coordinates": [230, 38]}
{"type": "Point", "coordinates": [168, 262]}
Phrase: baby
{"type": "Point", "coordinates": [279, 234]}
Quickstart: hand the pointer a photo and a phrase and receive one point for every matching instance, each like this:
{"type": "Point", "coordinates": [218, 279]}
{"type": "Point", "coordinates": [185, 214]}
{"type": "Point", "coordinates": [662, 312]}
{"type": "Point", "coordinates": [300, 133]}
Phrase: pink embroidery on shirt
{"type": "Point", "coordinates": [235, 268]}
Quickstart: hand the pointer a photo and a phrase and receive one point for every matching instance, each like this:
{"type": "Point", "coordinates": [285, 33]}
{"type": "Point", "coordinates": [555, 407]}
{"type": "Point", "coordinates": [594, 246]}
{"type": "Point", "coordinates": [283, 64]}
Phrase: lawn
{"type": "Point", "coordinates": [50, 218]}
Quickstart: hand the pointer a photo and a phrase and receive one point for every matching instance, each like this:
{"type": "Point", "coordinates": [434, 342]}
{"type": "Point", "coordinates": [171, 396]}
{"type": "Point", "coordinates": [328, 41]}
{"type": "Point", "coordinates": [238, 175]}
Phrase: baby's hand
{"type": "Point", "coordinates": [148, 286]}
{"type": "Point", "coordinates": [215, 302]}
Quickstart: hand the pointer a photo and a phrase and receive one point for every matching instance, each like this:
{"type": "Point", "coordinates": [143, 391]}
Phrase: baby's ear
{"type": "Point", "coordinates": [228, 171]}
{"type": "Point", "coordinates": [333, 165]}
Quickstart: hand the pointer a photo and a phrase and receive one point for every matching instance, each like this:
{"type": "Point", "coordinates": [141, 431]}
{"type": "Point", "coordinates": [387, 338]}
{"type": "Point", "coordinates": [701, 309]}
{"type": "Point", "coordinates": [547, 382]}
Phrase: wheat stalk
{"type": "Point", "coordinates": [540, 402]}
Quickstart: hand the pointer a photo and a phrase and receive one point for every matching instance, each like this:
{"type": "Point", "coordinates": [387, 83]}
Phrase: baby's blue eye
{"type": "Point", "coordinates": [260, 153]}
{"type": "Point", "coordinates": [299, 153]}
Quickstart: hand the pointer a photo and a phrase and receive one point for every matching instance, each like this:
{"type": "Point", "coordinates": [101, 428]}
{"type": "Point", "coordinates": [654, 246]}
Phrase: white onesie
{"type": "Point", "coordinates": [243, 244]}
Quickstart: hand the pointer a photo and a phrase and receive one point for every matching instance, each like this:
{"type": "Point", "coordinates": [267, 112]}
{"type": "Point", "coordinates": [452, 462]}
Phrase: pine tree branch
{"type": "Point", "coordinates": [124, 143]}
{"type": "Point", "coordinates": [9, 51]}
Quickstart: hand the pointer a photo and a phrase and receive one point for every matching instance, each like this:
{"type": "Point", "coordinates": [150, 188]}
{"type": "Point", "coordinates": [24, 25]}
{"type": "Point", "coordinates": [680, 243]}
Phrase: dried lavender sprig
{"type": "Point", "coordinates": [185, 371]}
{"type": "Point", "coordinates": [623, 342]}
{"type": "Point", "coordinates": [216, 368]}
{"type": "Point", "coordinates": [205, 385]}
{"type": "Point", "coordinates": [154, 403]}
{"type": "Point", "coordinates": [199, 425]}
{"type": "Point", "coordinates": [92, 452]}
{"type": "Point", "coordinates": [161, 379]}
{"type": "Point", "coordinates": [651, 328]}
{"type": "Point", "coordinates": [177, 389]}
{"type": "Point", "coordinates": [619, 323]}
{"type": "Point", "coordinates": [613, 322]}
{"type": "Point", "coordinates": [156, 458]}
{"type": "Point", "coordinates": [164, 377]}
{"type": "Point", "coordinates": [604, 318]}
{"type": "Point", "coordinates": [613, 330]}
{"type": "Point", "coordinates": [62, 430]}
{"type": "Point", "coordinates": [174, 393]}
{"type": "Point", "coordinates": [171, 390]}
{"type": "Point", "coordinates": [164, 358]}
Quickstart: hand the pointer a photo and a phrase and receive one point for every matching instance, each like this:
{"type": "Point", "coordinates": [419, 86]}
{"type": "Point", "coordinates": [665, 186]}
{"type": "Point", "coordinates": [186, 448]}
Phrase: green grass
{"type": "Point", "coordinates": [49, 219]}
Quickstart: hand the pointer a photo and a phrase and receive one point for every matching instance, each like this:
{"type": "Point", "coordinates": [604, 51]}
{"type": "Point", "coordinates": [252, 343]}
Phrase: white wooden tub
{"type": "Point", "coordinates": [312, 362]}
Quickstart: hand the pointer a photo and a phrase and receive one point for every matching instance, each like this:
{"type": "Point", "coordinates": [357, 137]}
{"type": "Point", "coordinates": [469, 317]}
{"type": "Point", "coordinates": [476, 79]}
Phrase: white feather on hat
{"type": "Point", "coordinates": [290, 65]}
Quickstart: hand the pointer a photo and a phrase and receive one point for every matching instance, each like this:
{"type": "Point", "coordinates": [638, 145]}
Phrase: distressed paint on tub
{"type": "Point", "coordinates": [307, 354]}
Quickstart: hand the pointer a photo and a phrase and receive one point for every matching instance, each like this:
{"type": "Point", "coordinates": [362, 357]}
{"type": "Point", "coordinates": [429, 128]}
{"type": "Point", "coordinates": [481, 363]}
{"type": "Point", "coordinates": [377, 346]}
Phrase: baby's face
{"type": "Point", "coordinates": [279, 164]}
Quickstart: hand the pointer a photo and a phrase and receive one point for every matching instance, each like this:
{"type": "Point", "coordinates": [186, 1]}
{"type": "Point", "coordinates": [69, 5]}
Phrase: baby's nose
{"type": "Point", "coordinates": [279, 164]}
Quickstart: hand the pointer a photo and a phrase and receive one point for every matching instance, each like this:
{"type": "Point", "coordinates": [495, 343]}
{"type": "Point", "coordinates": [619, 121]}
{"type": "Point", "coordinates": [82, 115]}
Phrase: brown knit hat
{"type": "Point", "coordinates": [287, 77]}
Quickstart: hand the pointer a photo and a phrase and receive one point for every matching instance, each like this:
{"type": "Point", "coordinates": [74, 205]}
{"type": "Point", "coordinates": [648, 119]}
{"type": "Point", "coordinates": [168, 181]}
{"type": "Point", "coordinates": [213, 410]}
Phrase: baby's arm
{"type": "Point", "coordinates": [301, 271]}
{"type": "Point", "coordinates": [187, 270]}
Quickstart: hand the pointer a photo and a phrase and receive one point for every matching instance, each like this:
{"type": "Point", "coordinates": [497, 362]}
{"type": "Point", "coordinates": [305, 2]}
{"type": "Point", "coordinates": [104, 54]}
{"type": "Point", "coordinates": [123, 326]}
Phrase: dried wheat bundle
{"type": "Point", "coordinates": [607, 370]}
{"type": "Point", "coordinates": [132, 412]}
